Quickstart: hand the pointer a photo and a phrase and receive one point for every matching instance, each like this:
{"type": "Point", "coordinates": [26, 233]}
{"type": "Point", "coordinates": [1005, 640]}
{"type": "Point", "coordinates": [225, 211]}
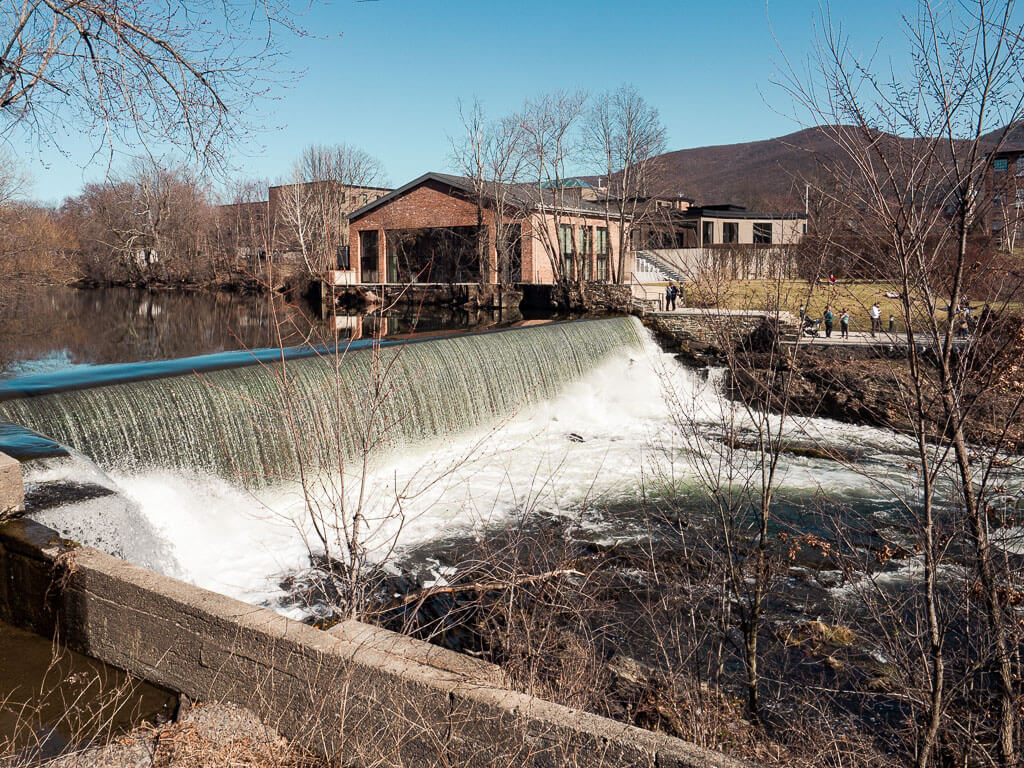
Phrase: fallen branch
{"type": "Point", "coordinates": [477, 586]}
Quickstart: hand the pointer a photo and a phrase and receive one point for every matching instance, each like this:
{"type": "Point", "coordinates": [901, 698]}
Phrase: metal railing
{"type": "Point", "coordinates": [658, 295]}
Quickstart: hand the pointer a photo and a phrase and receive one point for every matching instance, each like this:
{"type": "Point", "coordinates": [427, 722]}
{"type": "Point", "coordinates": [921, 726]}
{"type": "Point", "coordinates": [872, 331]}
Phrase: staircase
{"type": "Point", "coordinates": [650, 263]}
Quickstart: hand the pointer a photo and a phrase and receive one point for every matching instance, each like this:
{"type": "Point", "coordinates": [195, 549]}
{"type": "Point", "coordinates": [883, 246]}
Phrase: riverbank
{"type": "Point", "coordinates": [865, 387]}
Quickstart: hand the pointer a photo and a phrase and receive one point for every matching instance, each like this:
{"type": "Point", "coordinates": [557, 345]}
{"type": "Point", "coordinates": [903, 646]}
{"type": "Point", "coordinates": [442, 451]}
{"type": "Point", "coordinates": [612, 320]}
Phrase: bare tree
{"type": "Point", "coordinates": [915, 155]}
{"type": "Point", "coordinates": [551, 140]}
{"type": "Point", "coordinates": [183, 72]}
{"type": "Point", "coordinates": [243, 229]}
{"type": "Point", "coordinates": [152, 224]}
{"type": "Point", "coordinates": [625, 136]}
{"type": "Point", "coordinates": [491, 155]}
{"type": "Point", "coordinates": [324, 185]}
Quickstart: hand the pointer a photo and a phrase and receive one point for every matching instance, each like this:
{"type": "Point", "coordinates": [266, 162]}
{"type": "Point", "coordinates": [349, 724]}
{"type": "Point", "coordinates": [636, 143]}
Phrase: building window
{"type": "Point", "coordinates": [567, 245]}
{"type": "Point", "coordinates": [601, 261]}
{"type": "Point", "coordinates": [730, 232]}
{"type": "Point", "coordinates": [369, 244]}
{"type": "Point", "coordinates": [586, 241]}
{"type": "Point", "coordinates": [708, 231]}
{"type": "Point", "coordinates": [365, 199]}
{"type": "Point", "coordinates": [762, 233]}
{"type": "Point", "coordinates": [804, 231]}
{"type": "Point", "coordinates": [1019, 198]}
{"type": "Point", "coordinates": [587, 251]}
{"type": "Point", "coordinates": [1000, 164]}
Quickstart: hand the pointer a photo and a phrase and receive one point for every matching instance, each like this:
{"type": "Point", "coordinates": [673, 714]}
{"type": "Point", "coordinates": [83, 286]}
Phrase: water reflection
{"type": "Point", "coordinates": [55, 328]}
{"type": "Point", "coordinates": [410, 324]}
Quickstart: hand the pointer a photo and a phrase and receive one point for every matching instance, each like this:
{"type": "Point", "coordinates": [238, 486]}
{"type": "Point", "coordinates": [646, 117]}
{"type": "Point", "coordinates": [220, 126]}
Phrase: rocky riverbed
{"type": "Point", "coordinates": [865, 388]}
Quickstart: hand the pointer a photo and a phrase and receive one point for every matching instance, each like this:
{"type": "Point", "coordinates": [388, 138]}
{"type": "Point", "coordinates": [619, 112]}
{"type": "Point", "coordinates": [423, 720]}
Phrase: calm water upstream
{"type": "Point", "coordinates": [55, 328]}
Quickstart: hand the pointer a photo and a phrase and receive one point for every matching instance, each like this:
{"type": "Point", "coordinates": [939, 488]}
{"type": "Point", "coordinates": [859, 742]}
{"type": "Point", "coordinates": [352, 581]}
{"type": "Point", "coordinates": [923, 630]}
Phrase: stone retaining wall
{"type": "Point", "coordinates": [590, 297]}
{"type": "Point", "coordinates": [704, 335]}
{"type": "Point", "coordinates": [355, 693]}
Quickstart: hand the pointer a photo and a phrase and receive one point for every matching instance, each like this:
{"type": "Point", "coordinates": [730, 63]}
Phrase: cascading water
{"type": "Point", "coordinates": [265, 421]}
{"type": "Point", "coordinates": [465, 433]}
{"type": "Point", "coordinates": [89, 506]}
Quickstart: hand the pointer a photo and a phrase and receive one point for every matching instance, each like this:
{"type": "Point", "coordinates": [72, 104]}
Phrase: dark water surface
{"type": "Point", "coordinates": [46, 329]}
{"type": "Point", "coordinates": [38, 683]}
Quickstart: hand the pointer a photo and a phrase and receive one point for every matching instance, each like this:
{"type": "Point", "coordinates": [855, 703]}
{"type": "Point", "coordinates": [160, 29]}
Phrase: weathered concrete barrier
{"type": "Point", "coordinates": [12, 489]}
{"type": "Point", "coordinates": [356, 693]}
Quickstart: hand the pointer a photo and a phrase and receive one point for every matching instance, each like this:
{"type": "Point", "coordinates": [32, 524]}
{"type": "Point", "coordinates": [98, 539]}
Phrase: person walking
{"type": "Point", "coordinates": [828, 317]}
{"type": "Point", "coordinates": [668, 298]}
{"type": "Point", "coordinates": [844, 324]}
{"type": "Point", "coordinates": [876, 318]}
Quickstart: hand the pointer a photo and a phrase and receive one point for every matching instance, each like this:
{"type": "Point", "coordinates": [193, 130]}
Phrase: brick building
{"type": "Point", "coordinates": [1006, 191]}
{"type": "Point", "coordinates": [298, 221]}
{"type": "Point", "coordinates": [430, 230]}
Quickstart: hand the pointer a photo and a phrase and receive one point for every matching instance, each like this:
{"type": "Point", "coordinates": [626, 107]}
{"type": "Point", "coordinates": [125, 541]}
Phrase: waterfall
{"type": "Point", "coordinates": [269, 420]}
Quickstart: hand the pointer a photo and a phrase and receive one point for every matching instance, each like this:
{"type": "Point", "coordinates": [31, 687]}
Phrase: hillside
{"type": "Point", "coordinates": [766, 175]}
{"type": "Point", "coordinates": [757, 174]}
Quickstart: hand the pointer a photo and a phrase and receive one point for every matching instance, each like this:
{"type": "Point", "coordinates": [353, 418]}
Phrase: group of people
{"type": "Point", "coordinates": [672, 292]}
{"type": "Point", "coordinates": [829, 316]}
{"type": "Point", "coordinates": [844, 322]}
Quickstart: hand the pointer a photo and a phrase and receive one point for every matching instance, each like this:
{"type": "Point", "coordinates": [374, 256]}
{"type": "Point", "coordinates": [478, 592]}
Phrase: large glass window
{"type": "Point", "coordinates": [708, 233]}
{"type": "Point", "coordinates": [601, 250]}
{"type": "Point", "coordinates": [730, 232]}
{"type": "Point", "coordinates": [567, 245]}
{"type": "Point", "coordinates": [586, 241]}
{"type": "Point", "coordinates": [1000, 164]}
{"type": "Point", "coordinates": [587, 252]}
{"type": "Point", "coordinates": [368, 247]}
{"type": "Point", "coordinates": [762, 233]}
{"type": "Point", "coordinates": [566, 242]}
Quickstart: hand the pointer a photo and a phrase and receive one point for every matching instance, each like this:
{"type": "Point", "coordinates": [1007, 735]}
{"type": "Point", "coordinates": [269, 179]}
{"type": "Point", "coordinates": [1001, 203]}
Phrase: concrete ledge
{"type": "Point", "coordinates": [12, 489]}
{"type": "Point", "coordinates": [356, 693]}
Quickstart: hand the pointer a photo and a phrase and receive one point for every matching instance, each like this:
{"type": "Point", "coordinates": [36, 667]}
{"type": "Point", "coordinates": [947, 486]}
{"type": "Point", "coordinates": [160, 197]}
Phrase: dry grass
{"type": "Point", "coordinates": [853, 295]}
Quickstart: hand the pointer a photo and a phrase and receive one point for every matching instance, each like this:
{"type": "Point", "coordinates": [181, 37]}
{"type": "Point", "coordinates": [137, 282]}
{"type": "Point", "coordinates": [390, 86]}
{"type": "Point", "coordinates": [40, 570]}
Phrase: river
{"type": "Point", "coordinates": [582, 434]}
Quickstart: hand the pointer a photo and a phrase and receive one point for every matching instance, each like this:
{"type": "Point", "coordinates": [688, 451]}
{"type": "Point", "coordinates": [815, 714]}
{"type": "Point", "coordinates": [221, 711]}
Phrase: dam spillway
{"type": "Point", "coordinates": [276, 417]}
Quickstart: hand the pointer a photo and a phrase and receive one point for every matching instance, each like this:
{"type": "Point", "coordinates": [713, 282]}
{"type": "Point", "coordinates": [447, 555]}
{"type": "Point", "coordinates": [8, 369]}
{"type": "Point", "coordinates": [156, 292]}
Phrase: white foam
{"type": "Point", "coordinates": [239, 543]}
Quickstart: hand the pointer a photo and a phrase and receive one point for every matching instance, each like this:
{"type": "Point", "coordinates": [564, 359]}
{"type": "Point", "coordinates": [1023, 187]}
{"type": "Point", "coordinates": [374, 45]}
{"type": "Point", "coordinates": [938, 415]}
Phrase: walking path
{"type": "Point", "coordinates": [865, 339]}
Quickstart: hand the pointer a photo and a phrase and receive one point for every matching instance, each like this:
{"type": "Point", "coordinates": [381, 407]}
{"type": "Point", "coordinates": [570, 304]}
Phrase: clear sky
{"type": "Point", "coordinates": [385, 75]}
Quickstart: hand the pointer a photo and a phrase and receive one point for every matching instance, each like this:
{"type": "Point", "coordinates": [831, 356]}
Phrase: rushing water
{"type": "Point", "coordinates": [278, 418]}
{"type": "Point", "coordinates": [215, 477]}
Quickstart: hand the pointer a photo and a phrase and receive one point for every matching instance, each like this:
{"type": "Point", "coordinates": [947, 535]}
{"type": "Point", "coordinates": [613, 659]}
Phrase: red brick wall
{"type": "Point", "coordinates": [538, 245]}
{"type": "Point", "coordinates": [428, 205]}
{"type": "Point", "coordinates": [431, 205]}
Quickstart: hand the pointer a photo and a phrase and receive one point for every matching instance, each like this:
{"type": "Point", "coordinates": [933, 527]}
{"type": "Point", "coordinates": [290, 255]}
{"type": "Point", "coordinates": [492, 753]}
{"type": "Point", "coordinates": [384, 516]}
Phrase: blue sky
{"type": "Point", "coordinates": [385, 75]}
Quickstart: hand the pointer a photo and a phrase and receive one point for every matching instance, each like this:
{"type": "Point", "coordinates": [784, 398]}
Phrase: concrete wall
{"type": "Point", "coordinates": [729, 262]}
{"type": "Point", "coordinates": [12, 491]}
{"type": "Point", "coordinates": [785, 231]}
{"type": "Point", "coordinates": [704, 336]}
{"type": "Point", "coordinates": [355, 693]}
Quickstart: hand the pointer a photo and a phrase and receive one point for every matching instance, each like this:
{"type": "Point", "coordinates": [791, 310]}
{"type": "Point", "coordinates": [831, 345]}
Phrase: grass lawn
{"type": "Point", "coordinates": [854, 296]}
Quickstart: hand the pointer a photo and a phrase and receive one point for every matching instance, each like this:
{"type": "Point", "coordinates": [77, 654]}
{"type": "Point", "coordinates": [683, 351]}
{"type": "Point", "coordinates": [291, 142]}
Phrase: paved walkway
{"type": "Point", "coordinates": [865, 339]}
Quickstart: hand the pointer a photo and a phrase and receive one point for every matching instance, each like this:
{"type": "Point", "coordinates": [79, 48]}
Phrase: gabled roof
{"type": "Point", "coordinates": [524, 195]}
